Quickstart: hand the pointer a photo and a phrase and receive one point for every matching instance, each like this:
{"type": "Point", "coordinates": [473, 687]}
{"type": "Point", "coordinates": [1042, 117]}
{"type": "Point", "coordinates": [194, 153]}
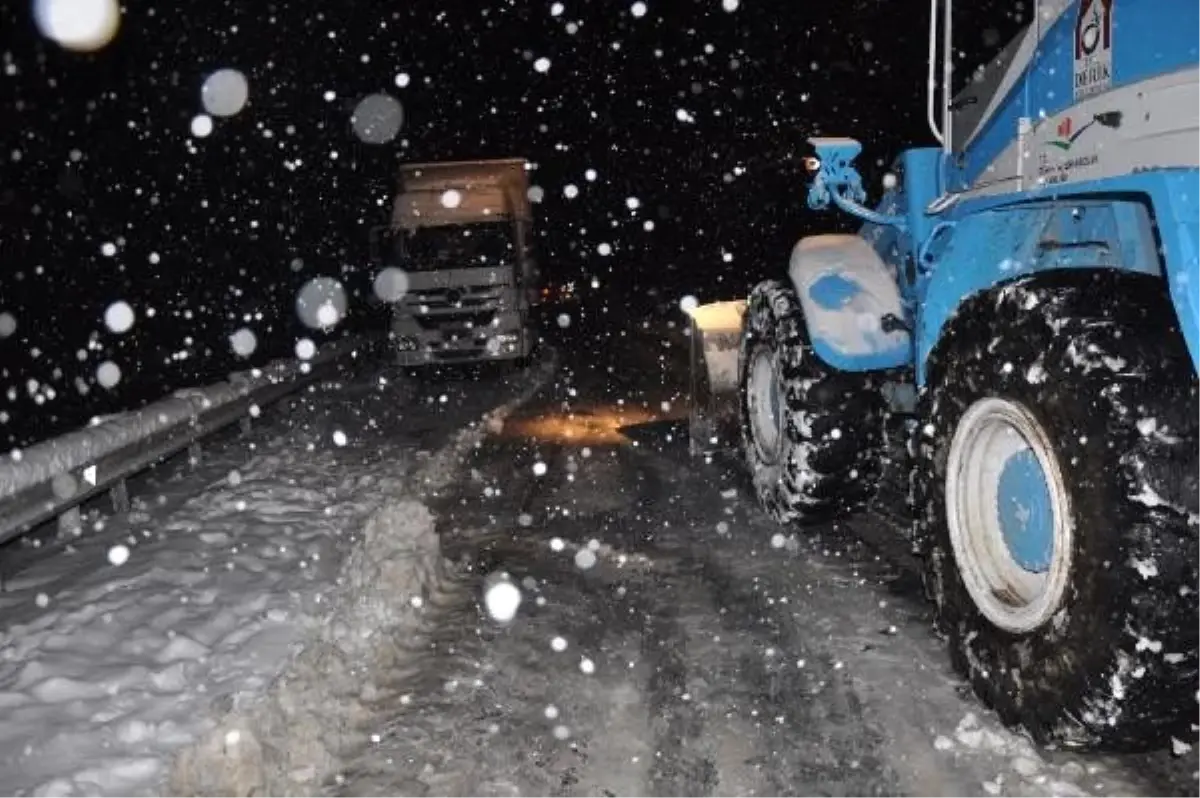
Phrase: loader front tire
{"type": "Point", "coordinates": [1056, 508]}
{"type": "Point", "coordinates": [811, 435]}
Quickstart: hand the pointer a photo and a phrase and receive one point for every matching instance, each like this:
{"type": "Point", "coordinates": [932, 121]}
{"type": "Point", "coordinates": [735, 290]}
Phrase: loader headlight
{"type": "Point", "coordinates": [812, 165]}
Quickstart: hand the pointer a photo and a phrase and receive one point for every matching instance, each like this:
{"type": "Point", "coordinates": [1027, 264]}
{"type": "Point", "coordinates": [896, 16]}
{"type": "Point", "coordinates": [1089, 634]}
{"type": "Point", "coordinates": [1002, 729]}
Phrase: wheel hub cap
{"type": "Point", "coordinates": [1026, 515]}
{"type": "Point", "coordinates": [1009, 515]}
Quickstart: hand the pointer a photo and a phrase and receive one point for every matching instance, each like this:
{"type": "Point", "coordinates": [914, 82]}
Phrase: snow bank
{"type": "Point", "coordinates": [74, 450]}
{"type": "Point", "coordinates": [108, 665]}
{"type": "Point", "coordinates": [288, 742]}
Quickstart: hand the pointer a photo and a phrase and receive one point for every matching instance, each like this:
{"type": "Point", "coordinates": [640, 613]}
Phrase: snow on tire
{"type": "Point", "coordinates": [1057, 508]}
{"type": "Point", "coordinates": [811, 435]}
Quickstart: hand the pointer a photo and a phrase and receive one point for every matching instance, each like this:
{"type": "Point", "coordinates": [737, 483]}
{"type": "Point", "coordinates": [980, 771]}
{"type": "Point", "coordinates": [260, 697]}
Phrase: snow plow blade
{"type": "Point", "coordinates": [715, 332]}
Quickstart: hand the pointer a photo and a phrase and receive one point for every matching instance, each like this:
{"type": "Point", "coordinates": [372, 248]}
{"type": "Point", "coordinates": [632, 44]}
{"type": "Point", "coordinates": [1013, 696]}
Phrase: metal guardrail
{"type": "Point", "coordinates": [51, 479]}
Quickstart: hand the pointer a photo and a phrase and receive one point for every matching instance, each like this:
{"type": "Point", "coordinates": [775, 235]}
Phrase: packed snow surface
{"type": "Point", "coordinates": [119, 642]}
{"type": "Point", "coordinates": [125, 642]}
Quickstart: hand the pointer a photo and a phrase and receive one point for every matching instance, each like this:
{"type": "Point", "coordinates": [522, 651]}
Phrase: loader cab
{"type": "Point", "coordinates": [972, 102]}
{"type": "Point", "coordinates": [994, 97]}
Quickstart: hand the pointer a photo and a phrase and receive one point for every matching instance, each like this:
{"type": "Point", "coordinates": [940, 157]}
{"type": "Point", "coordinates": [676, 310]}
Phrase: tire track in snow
{"type": "Point", "coordinates": [309, 719]}
{"type": "Point", "coordinates": [868, 611]}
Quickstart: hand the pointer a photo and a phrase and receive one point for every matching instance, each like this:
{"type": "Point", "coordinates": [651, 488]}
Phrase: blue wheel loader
{"type": "Point", "coordinates": [1023, 300]}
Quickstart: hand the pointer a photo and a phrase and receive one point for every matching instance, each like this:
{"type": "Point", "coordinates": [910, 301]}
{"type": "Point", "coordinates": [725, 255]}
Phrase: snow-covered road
{"type": "Point", "coordinates": [304, 614]}
{"type": "Point", "coordinates": [131, 641]}
{"type": "Point", "coordinates": [672, 641]}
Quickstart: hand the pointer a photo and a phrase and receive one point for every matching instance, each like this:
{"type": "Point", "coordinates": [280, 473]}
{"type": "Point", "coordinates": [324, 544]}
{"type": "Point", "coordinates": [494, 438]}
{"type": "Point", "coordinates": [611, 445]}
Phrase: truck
{"type": "Point", "coordinates": [1011, 337]}
{"type": "Point", "coordinates": [461, 237]}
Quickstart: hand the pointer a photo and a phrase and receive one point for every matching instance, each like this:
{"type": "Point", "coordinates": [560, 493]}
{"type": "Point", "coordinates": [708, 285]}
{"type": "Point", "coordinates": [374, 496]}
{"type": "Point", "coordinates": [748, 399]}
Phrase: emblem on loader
{"type": "Point", "coordinates": [1093, 48]}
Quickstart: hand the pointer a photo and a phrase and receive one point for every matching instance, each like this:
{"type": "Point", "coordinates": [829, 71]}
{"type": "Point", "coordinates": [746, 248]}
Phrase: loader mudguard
{"type": "Point", "coordinates": [853, 311]}
{"type": "Point", "coordinates": [1142, 223]}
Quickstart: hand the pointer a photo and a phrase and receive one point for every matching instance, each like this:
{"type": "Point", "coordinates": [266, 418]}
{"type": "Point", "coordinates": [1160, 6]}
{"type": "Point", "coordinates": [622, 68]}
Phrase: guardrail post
{"type": "Point", "coordinates": [119, 493]}
{"type": "Point", "coordinates": [194, 453]}
{"type": "Point", "coordinates": [70, 523]}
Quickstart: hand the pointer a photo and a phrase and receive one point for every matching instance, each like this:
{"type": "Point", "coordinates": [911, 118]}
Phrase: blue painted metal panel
{"type": "Point", "coordinates": [834, 291]}
{"type": "Point", "coordinates": [984, 241]}
{"type": "Point", "coordinates": [993, 245]}
{"type": "Point", "coordinates": [846, 290]}
{"type": "Point", "coordinates": [1026, 511]}
{"type": "Point", "coordinates": [921, 168]}
{"type": "Point", "coordinates": [894, 357]}
{"type": "Point", "coordinates": [1143, 46]}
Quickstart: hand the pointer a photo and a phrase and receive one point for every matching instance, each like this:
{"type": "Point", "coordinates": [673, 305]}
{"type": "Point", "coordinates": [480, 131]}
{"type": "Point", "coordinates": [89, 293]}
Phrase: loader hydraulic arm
{"type": "Point", "coordinates": [836, 181]}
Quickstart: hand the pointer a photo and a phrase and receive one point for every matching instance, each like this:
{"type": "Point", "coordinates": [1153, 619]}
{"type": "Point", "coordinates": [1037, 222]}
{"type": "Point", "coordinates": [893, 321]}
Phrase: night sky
{"type": "Point", "coordinates": [695, 111]}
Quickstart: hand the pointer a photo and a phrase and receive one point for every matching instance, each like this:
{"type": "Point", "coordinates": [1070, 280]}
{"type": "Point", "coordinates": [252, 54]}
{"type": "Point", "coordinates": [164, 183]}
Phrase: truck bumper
{"type": "Point", "coordinates": [411, 351]}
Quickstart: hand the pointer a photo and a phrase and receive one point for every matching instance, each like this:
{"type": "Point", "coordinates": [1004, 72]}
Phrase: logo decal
{"type": "Point", "coordinates": [1065, 137]}
{"type": "Point", "coordinates": [1063, 168]}
{"type": "Point", "coordinates": [1093, 47]}
{"type": "Point", "coordinates": [1068, 134]}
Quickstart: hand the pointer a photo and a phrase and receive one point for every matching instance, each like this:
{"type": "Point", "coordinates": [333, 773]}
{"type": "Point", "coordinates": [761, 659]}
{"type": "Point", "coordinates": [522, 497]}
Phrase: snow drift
{"type": "Point", "coordinates": [288, 742]}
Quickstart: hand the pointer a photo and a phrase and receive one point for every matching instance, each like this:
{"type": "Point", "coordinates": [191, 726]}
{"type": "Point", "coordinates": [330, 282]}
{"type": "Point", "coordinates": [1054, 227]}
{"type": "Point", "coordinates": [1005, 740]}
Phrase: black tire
{"type": "Point", "coordinates": [827, 459]}
{"type": "Point", "coordinates": [1115, 666]}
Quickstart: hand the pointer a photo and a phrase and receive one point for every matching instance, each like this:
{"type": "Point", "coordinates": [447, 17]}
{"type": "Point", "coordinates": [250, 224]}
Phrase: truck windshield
{"type": "Point", "coordinates": [453, 247]}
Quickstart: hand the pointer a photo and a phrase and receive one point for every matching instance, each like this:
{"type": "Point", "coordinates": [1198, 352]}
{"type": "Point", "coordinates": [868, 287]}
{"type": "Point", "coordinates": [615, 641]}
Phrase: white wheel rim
{"type": "Point", "coordinates": [1009, 515]}
{"type": "Point", "coordinates": [764, 399]}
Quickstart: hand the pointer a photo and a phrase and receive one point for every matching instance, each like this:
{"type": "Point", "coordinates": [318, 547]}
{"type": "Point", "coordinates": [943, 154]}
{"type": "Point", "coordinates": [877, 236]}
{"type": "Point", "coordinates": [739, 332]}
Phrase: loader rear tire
{"type": "Point", "coordinates": [811, 435]}
{"type": "Point", "coordinates": [1056, 509]}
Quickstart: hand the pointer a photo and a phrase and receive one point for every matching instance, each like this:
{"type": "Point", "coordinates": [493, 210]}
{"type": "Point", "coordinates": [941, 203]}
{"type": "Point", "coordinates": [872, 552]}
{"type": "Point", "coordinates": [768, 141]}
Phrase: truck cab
{"type": "Point", "coordinates": [461, 237]}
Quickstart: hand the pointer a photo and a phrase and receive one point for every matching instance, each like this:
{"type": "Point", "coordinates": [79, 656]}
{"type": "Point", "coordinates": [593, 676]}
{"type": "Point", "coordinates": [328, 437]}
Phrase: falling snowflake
{"type": "Point", "coordinates": [202, 125]}
{"type": "Point", "coordinates": [80, 25]}
{"type": "Point", "coordinates": [377, 118]}
{"type": "Point", "coordinates": [108, 374]}
{"type": "Point", "coordinates": [391, 284]}
{"type": "Point", "coordinates": [224, 92]}
{"type": "Point", "coordinates": [321, 303]}
{"type": "Point", "coordinates": [501, 598]}
{"type": "Point", "coordinates": [243, 342]}
{"type": "Point", "coordinates": [119, 317]}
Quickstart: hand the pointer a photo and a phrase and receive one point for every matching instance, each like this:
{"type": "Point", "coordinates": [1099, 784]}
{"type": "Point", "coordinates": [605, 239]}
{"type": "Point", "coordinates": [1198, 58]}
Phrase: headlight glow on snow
{"type": "Point", "coordinates": [592, 425]}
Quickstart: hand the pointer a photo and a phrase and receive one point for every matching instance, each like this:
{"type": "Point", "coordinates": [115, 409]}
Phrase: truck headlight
{"type": "Point", "coordinates": [406, 344]}
{"type": "Point", "coordinates": [504, 342]}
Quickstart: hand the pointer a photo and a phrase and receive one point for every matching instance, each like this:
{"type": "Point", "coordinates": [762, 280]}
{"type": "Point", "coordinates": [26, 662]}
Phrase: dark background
{"type": "Point", "coordinates": [97, 148]}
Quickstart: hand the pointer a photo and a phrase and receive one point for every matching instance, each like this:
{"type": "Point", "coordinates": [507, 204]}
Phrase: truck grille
{"type": "Point", "coordinates": [457, 324]}
{"type": "Point", "coordinates": [458, 298]}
